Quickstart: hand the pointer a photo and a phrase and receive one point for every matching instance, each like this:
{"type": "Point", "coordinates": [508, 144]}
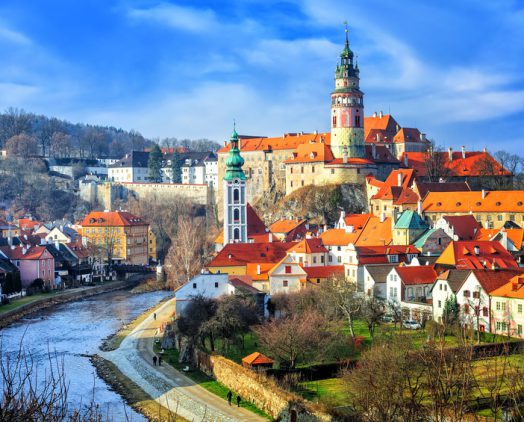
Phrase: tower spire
{"type": "Point", "coordinates": [346, 30]}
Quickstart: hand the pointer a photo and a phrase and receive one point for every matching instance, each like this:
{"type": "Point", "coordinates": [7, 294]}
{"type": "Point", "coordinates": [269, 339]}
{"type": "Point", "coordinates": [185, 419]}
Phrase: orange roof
{"type": "Point", "coordinates": [28, 223]}
{"type": "Point", "coordinates": [376, 232]}
{"type": "Point", "coordinates": [323, 272]}
{"type": "Point", "coordinates": [513, 289]}
{"type": "Point", "coordinates": [311, 152]}
{"type": "Point", "coordinates": [112, 219]}
{"type": "Point", "coordinates": [256, 275]}
{"type": "Point", "coordinates": [515, 235]}
{"type": "Point", "coordinates": [358, 221]}
{"type": "Point", "coordinates": [474, 164]}
{"type": "Point", "coordinates": [492, 280]}
{"type": "Point", "coordinates": [408, 134]}
{"type": "Point", "coordinates": [465, 202]}
{"type": "Point", "coordinates": [338, 237]}
{"type": "Point", "coordinates": [285, 226]}
{"type": "Point", "coordinates": [387, 124]}
{"type": "Point", "coordinates": [475, 254]}
{"type": "Point", "coordinates": [286, 142]}
{"type": "Point", "coordinates": [308, 246]}
{"type": "Point", "coordinates": [391, 188]}
{"type": "Point", "coordinates": [257, 358]}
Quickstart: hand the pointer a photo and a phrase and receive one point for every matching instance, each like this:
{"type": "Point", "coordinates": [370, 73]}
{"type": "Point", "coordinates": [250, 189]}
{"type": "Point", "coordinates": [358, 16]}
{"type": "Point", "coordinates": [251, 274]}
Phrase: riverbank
{"type": "Point", "coordinates": [134, 396]}
{"type": "Point", "coordinates": [45, 301]}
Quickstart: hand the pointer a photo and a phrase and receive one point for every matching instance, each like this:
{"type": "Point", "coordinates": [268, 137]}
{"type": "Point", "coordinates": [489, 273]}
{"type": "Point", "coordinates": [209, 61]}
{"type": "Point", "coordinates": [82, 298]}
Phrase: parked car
{"type": "Point", "coordinates": [388, 318]}
{"type": "Point", "coordinates": [411, 324]}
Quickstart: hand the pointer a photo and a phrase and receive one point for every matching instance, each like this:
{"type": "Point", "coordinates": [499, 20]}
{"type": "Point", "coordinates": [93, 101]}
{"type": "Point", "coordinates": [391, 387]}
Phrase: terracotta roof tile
{"type": "Point", "coordinates": [425, 274]}
{"type": "Point", "coordinates": [464, 226]}
{"type": "Point", "coordinates": [514, 288]}
{"type": "Point", "coordinates": [466, 202]}
{"type": "Point", "coordinates": [324, 272]}
{"type": "Point", "coordinates": [309, 246]}
{"type": "Point", "coordinates": [241, 254]}
{"type": "Point", "coordinates": [112, 219]}
{"type": "Point", "coordinates": [476, 255]}
{"type": "Point", "coordinates": [491, 280]}
{"type": "Point", "coordinates": [257, 358]}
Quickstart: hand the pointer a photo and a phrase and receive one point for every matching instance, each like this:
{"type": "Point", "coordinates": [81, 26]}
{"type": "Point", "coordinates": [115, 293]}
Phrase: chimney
{"type": "Point", "coordinates": [225, 143]}
{"type": "Point", "coordinates": [463, 149]}
{"type": "Point", "coordinates": [399, 178]}
{"type": "Point", "coordinates": [316, 132]}
{"type": "Point", "coordinates": [484, 193]}
{"type": "Point", "coordinates": [350, 228]}
{"type": "Point", "coordinates": [374, 151]}
{"type": "Point", "coordinates": [381, 114]}
{"type": "Point", "coordinates": [493, 265]}
{"type": "Point", "coordinates": [422, 137]}
{"type": "Point", "coordinates": [476, 250]}
{"type": "Point", "coordinates": [57, 245]}
{"type": "Point", "coordinates": [514, 287]}
{"type": "Point", "coordinates": [24, 250]}
{"type": "Point", "coordinates": [374, 114]}
{"type": "Point", "coordinates": [406, 160]}
{"type": "Point", "coordinates": [395, 215]}
{"type": "Point", "coordinates": [270, 237]}
{"type": "Point", "coordinates": [258, 269]}
{"type": "Point", "coordinates": [485, 149]}
{"type": "Point", "coordinates": [450, 153]}
{"type": "Point", "coordinates": [419, 207]}
{"type": "Point", "coordinates": [345, 155]}
{"type": "Point", "coordinates": [382, 216]}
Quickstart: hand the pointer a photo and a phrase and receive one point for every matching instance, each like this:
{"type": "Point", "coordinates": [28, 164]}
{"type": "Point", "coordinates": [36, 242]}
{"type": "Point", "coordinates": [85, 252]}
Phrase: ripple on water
{"type": "Point", "coordinates": [73, 330]}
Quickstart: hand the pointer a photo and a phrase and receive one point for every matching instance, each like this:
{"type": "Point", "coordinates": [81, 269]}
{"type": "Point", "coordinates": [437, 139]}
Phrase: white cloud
{"type": "Point", "coordinates": [12, 36]}
{"type": "Point", "coordinates": [184, 18]}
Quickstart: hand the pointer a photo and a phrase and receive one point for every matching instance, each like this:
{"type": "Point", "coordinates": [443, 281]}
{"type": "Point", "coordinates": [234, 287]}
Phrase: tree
{"type": "Point", "coordinates": [435, 162]}
{"type": "Point", "coordinates": [14, 122]}
{"type": "Point", "coordinates": [342, 295]}
{"type": "Point", "coordinates": [60, 145]}
{"type": "Point", "coordinates": [387, 384]}
{"type": "Point", "coordinates": [295, 339]}
{"type": "Point", "coordinates": [451, 312]}
{"type": "Point", "coordinates": [21, 145]}
{"type": "Point", "coordinates": [197, 312]}
{"type": "Point", "coordinates": [373, 309]}
{"type": "Point", "coordinates": [155, 164]}
{"type": "Point", "coordinates": [184, 258]}
{"type": "Point", "coordinates": [176, 168]}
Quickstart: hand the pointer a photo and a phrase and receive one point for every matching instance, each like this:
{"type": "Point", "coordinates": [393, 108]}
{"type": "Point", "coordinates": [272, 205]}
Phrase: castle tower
{"type": "Point", "coordinates": [235, 202]}
{"type": "Point", "coordinates": [347, 108]}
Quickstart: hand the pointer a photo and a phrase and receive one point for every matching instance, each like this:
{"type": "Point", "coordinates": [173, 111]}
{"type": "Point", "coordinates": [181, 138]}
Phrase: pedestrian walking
{"type": "Point", "coordinates": [238, 400]}
{"type": "Point", "coordinates": [229, 397]}
{"type": "Point", "coordinates": [154, 316]}
{"type": "Point", "coordinates": [160, 361]}
{"type": "Point", "coordinates": [154, 360]}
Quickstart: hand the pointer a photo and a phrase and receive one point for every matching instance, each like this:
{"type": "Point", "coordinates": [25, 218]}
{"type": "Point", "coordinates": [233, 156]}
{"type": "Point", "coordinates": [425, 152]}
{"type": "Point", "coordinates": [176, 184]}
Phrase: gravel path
{"type": "Point", "coordinates": [169, 387]}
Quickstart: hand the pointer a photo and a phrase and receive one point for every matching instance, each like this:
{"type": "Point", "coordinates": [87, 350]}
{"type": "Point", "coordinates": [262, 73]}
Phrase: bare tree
{"type": "Point", "coordinates": [435, 163]}
{"type": "Point", "coordinates": [21, 146]}
{"type": "Point", "coordinates": [373, 309]}
{"type": "Point", "coordinates": [60, 145]}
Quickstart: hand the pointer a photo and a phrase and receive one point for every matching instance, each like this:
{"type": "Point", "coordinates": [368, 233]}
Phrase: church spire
{"type": "Point", "coordinates": [234, 161]}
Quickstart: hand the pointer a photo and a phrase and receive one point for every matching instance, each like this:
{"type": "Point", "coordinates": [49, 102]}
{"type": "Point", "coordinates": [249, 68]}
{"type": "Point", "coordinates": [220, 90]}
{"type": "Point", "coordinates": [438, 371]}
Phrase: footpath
{"type": "Point", "coordinates": [166, 385]}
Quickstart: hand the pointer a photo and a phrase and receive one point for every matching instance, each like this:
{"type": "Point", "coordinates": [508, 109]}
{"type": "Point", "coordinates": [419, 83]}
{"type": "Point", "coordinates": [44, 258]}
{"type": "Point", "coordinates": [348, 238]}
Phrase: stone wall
{"type": "Point", "coordinates": [260, 390]}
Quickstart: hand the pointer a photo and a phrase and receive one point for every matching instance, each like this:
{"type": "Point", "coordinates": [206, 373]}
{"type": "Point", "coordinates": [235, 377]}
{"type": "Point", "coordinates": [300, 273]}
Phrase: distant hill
{"type": "Point", "coordinates": [60, 138]}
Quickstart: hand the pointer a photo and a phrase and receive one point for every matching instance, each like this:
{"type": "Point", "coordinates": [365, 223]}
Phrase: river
{"type": "Point", "coordinates": [75, 330]}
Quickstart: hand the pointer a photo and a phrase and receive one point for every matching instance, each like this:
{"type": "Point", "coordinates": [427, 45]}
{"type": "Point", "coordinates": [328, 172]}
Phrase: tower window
{"type": "Point", "coordinates": [236, 215]}
{"type": "Point", "coordinates": [236, 195]}
{"type": "Point", "coordinates": [334, 121]}
{"type": "Point", "coordinates": [236, 234]}
{"type": "Point", "coordinates": [357, 121]}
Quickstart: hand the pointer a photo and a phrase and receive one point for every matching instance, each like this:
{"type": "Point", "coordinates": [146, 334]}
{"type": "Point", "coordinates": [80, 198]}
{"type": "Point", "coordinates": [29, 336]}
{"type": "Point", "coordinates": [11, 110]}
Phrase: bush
{"type": "Point", "coordinates": [5, 300]}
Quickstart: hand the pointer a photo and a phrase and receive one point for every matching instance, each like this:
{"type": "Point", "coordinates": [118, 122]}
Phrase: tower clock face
{"type": "Point", "coordinates": [236, 181]}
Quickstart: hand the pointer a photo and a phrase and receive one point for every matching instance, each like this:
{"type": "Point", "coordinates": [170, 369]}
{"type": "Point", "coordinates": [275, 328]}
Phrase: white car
{"type": "Point", "coordinates": [411, 324]}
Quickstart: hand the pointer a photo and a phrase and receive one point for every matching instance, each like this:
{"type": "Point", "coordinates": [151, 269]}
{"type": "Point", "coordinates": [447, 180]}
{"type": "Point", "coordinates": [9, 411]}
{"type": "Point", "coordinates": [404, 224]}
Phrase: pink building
{"type": "Point", "coordinates": [33, 262]}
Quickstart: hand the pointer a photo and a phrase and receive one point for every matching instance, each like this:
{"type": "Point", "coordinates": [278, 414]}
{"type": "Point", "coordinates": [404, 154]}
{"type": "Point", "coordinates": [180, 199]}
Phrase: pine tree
{"type": "Point", "coordinates": [155, 164]}
{"type": "Point", "coordinates": [176, 168]}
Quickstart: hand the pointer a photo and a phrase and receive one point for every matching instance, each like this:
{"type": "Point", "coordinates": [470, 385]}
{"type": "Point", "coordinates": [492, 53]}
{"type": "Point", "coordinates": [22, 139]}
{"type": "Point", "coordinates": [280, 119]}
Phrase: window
{"type": "Point", "coordinates": [194, 285]}
{"type": "Point", "coordinates": [476, 294]}
{"type": "Point", "coordinates": [339, 259]}
{"type": "Point", "coordinates": [312, 169]}
{"type": "Point", "coordinates": [503, 305]}
{"type": "Point", "coordinates": [466, 293]}
{"type": "Point", "coordinates": [439, 304]}
{"type": "Point", "coordinates": [499, 217]}
{"type": "Point", "coordinates": [477, 310]}
{"type": "Point", "coordinates": [498, 306]}
{"type": "Point", "coordinates": [236, 215]}
{"type": "Point", "coordinates": [445, 287]}
{"type": "Point", "coordinates": [318, 280]}
{"type": "Point", "coordinates": [236, 195]}
{"type": "Point", "coordinates": [288, 269]}
{"type": "Point", "coordinates": [440, 288]}
{"type": "Point", "coordinates": [333, 172]}
{"type": "Point", "coordinates": [302, 169]}
{"type": "Point", "coordinates": [339, 248]}
{"type": "Point", "coordinates": [393, 258]}
{"type": "Point", "coordinates": [519, 329]}
{"type": "Point", "coordinates": [512, 217]}
{"type": "Point", "coordinates": [519, 308]}
{"type": "Point", "coordinates": [322, 259]}
{"type": "Point", "coordinates": [216, 284]}
{"type": "Point", "coordinates": [330, 258]}
{"type": "Point", "coordinates": [485, 311]}
{"type": "Point", "coordinates": [285, 283]}
{"type": "Point", "coordinates": [466, 308]}
{"type": "Point", "coordinates": [314, 260]}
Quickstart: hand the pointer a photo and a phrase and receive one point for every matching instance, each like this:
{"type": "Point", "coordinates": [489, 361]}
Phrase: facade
{"type": "Point", "coordinates": [459, 227]}
{"type": "Point", "coordinates": [34, 262]}
{"type": "Point", "coordinates": [286, 277]}
{"type": "Point", "coordinates": [122, 233]}
{"type": "Point", "coordinates": [408, 228]}
{"type": "Point", "coordinates": [131, 168]}
{"type": "Point", "coordinates": [433, 242]}
{"type": "Point", "coordinates": [62, 234]}
{"type": "Point", "coordinates": [445, 287]}
{"type": "Point", "coordinates": [507, 308]}
{"type": "Point", "coordinates": [235, 200]}
{"type": "Point", "coordinates": [492, 209]}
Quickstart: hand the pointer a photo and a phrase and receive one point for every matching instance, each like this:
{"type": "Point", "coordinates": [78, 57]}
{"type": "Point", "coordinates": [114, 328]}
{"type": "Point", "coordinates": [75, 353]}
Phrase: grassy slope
{"type": "Point", "coordinates": [25, 300]}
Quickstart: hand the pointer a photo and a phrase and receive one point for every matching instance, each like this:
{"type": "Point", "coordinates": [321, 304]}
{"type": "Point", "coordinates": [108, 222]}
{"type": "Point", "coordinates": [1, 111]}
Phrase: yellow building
{"type": "Point", "coordinates": [121, 236]}
{"type": "Point", "coordinates": [151, 242]}
{"type": "Point", "coordinates": [490, 208]}
{"type": "Point", "coordinates": [8, 229]}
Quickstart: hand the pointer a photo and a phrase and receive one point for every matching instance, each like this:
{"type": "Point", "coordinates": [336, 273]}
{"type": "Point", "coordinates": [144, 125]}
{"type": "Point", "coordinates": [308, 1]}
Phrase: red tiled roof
{"type": "Point", "coordinates": [464, 226]}
{"type": "Point", "coordinates": [112, 219]}
{"type": "Point", "coordinates": [424, 187]}
{"type": "Point", "coordinates": [424, 274]}
{"type": "Point", "coordinates": [466, 202]}
{"type": "Point", "coordinates": [323, 272]}
{"type": "Point", "coordinates": [391, 188]}
{"type": "Point", "coordinates": [476, 255]}
{"type": "Point", "coordinates": [515, 235]}
{"type": "Point", "coordinates": [358, 221]}
{"type": "Point", "coordinates": [308, 246]}
{"type": "Point", "coordinates": [311, 152]}
{"type": "Point", "coordinates": [338, 237]}
{"type": "Point", "coordinates": [387, 124]}
{"type": "Point", "coordinates": [285, 226]}
{"type": "Point", "coordinates": [473, 165]}
{"type": "Point", "coordinates": [491, 280]}
{"type": "Point", "coordinates": [241, 254]}
{"type": "Point", "coordinates": [286, 142]}
{"type": "Point", "coordinates": [513, 289]}
{"type": "Point", "coordinates": [28, 224]}
{"type": "Point", "coordinates": [375, 232]}
{"type": "Point", "coordinates": [408, 134]}
{"type": "Point", "coordinates": [31, 252]}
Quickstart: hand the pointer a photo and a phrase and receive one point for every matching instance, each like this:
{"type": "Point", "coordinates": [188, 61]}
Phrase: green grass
{"type": "Point", "coordinates": [329, 391]}
{"type": "Point", "coordinates": [25, 300]}
{"type": "Point", "coordinates": [236, 352]}
{"type": "Point", "coordinates": [210, 384]}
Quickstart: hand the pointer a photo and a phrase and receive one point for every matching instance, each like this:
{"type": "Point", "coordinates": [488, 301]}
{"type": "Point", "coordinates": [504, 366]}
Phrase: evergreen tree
{"type": "Point", "coordinates": [155, 164]}
{"type": "Point", "coordinates": [176, 168]}
{"type": "Point", "coordinates": [451, 311]}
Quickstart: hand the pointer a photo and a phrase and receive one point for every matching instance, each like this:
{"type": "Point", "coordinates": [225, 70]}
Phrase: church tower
{"type": "Point", "coordinates": [235, 202]}
{"type": "Point", "coordinates": [347, 108]}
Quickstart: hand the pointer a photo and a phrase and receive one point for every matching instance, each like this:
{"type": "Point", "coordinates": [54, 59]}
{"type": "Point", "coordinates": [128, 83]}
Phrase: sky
{"type": "Point", "coordinates": [188, 69]}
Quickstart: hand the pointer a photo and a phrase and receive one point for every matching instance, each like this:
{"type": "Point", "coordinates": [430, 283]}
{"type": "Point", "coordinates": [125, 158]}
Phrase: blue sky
{"type": "Point", "coordinates": [188, 68]}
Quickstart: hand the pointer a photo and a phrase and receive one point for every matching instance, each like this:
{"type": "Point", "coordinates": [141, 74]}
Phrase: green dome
{"type": "Point", "coordinates": [234, 161]}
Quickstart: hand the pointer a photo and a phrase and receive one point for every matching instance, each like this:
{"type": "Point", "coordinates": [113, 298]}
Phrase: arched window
{"type": "Point", "coordinates": [236, 234]}
{"type": "Point", "coordinates": [236, 195]}
{"type": "Point", "coordinates": [357, 121]}
{"type": "Point", "coordinates": [236, 215]}
{"type": "Point", "coordinates": [409, 292]}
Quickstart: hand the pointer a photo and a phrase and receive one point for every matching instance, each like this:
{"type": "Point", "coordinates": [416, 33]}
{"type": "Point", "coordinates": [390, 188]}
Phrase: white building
{"type": "Point", "coordinates": [131, 168]}
{"type": "Point", "coordinates": [286, 277]}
